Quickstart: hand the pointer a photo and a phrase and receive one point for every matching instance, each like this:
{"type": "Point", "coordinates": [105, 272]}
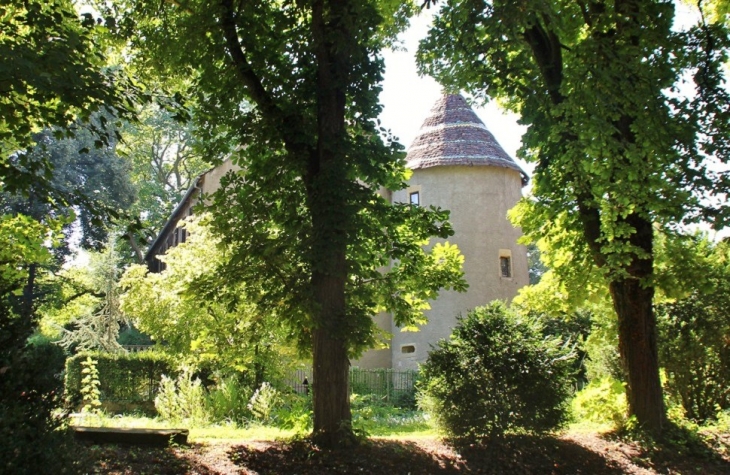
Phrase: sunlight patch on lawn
{"type": "Point", "coordinates": [218, 433]}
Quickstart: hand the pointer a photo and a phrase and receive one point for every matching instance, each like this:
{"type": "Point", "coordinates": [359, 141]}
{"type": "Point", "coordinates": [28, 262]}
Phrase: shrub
{"type": "Point", "coordinates": [263, 402]}
{"type": "Point", "coordinates": [228, 399]}
{"type": "Point", "coordinates": [182, 400]}
{"type": "Point", "coordinates": [573, 328]}
{"type": "Point", "coordinates": [603, 401]}
{"type": "Point", "coordinates": [90, 386]}
{"type": "Point", "coordinates": [496, 373]}
{"type": "Point", "coordinates": [372, 415]}
{"type": "Point", "coordinates": [294, 412]}
{"type": "Point", "coordinates": [694, 350]}
{"type": "Point", "coordinates": [34, 435]}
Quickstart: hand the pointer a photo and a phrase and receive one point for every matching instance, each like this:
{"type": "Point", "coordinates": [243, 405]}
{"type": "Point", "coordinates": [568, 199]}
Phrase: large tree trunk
{"type": "Point", "coordinates": [332, 417]}
{"type": "Point", "coordinates": [328, 177]}
{"type": "Point", "coordinates": [638, 349]}
{"type": "Point", "coordinates": [633, 301]}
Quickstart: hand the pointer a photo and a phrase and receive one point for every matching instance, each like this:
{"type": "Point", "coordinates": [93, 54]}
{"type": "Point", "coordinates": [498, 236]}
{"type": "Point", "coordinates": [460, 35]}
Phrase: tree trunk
{"type": "Point", "coordinates": [328, 176]}
{"type": "Point", "coordinates": [27, 308]}
{"type": "Point", "coordinates": [133, 244]}
{"type": "Point", "coordinates": [633, 302]}
{"type": "Point", "coordinates": [332, 417]}
{"type": "Point", "coordinates": [638, 349]}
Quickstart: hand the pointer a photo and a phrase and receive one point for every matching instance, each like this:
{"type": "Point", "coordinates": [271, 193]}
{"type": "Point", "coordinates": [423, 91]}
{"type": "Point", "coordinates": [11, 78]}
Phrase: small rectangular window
{"type": "Point", "coordinates": [505, 266]}
{"type": "Point", "coordinates": [415, 198]}
{"type": "Point", "coordinates": [408, 349]}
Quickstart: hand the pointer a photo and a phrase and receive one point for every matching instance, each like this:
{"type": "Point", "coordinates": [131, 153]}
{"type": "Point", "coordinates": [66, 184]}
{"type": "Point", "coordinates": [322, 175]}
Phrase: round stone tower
{"type": "Point", "coordinates": [458, 165]}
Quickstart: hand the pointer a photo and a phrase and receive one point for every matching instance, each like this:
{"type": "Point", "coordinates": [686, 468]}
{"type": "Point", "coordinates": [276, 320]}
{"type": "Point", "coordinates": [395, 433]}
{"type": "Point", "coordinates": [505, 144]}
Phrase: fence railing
{"type": "Point", "coordinates": [137, 348]}
{"type": "Point", "coordinates": [387, 384]}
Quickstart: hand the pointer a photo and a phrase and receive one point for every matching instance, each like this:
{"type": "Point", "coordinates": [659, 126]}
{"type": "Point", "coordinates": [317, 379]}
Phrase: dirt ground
{"type": "Point", "coordinates": [567, 454]}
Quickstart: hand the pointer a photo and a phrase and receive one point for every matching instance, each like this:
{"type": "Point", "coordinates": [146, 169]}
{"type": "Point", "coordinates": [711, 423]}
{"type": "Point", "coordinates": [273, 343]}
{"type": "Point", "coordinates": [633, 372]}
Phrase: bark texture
{"type": "Point", "coordinates": [633, 301]}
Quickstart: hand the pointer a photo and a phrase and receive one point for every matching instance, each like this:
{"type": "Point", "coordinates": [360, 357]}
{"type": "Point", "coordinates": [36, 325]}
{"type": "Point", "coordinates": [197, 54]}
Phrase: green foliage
{"type": "Point", "coordinates": [165, 156]}
{"type": "Point", "coordinates": [497, 373]}
{"type": "Point", "coordinates": [723, 420]}
{"type": "Point", "coordinates": [536, 267]}
{"type": "Point", "coordinates": [90, 184]}
{"type": "Point", "coordinates": [603, 401]}
{"type": "Point", "coordinates": [33, 432]}
{"type": "Point", "coordinates": [602, 347]}
{"type": "Point", "coordinates": [694, 349]}
{"type": "Point", "coordinates": [52, 75]}
{"type": "Point", "coordinates": [391, 267]}
{"type": "Point", "coordinates": [263, 402]}
{"type": "Point", "coordinates": [182, 400]}
{"type": "Point", "coordinates": [573, 330]}
{"type": "Point", "coordinates": [130, 335]}
{"type": "Point", "coordinates": [374, 416]}
{"type": "Point", "coordinates": [201, 319]}
{"type": "Point", "coordinates": [23, 239]}
{"type": "Point", "coordinates": [228, 400]}
{"type": "Point", "coordinates": [99, 329]}
{"type": "Point", "coordinates": [125, 379]}
{"type": "Point", "coordinates": [90, 393]}
{"type": "Point", "coordinates": [294, 413]}
{"type": "Point", "coordinates": [77, 201]}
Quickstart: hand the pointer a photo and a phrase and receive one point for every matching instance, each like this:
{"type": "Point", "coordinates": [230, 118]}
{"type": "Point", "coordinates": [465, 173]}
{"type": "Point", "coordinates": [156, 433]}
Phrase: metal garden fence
{"type": "Point", "coordinates": [387, 384]}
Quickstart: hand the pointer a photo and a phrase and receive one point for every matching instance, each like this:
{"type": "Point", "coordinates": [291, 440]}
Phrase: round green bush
{"type": "Point", "coordinates": [497, 373]}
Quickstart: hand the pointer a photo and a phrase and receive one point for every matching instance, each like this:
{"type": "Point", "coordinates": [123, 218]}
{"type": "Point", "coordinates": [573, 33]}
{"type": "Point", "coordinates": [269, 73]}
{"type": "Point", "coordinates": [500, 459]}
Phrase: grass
{"type": "Point", "coordinates": [378, 421]}
{"type": "Point", "coordinates": [254, 432]}
{"type": "Point", "coordinates": [371, 417]}
{"type": "Point", "coordinates": [198, 432]}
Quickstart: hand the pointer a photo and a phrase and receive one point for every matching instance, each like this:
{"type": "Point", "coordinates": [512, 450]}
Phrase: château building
{"type": "Point", "coordinates": [457, 165]}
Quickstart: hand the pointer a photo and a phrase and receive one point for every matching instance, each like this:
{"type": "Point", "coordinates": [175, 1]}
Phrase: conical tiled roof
{"type": "Point", "coordinates": [454, 135]}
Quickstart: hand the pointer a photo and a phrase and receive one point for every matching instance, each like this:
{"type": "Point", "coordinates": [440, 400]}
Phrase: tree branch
{"type": "Point", "coordinates": [257, 91]}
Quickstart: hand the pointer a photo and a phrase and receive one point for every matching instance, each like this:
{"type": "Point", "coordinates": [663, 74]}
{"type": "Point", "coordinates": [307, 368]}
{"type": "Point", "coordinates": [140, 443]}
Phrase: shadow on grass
{"type": "Point", "coordinates": [131, 459]}
{"type": "Point", "coordinates": [514, 455]}
{"type": "Point", "coordinates": [680, 450]}
{"type": "Point", "coordinates": [530, 454]}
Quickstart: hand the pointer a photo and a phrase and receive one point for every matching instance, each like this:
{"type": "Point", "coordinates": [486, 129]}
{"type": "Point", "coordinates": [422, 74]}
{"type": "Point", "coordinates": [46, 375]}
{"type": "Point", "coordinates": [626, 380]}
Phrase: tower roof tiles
{"type": "Point", "coordinates": [454, 135]}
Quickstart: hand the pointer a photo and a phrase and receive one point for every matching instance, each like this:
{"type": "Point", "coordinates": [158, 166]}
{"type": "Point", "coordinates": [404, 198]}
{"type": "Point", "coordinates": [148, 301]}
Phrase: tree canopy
{"type": "Point", "coordinates": [625, 116]}
{"type": "Point", "coordinates": [165, 155]}
{"type": "Point", "coordinates": [200, 318]}
{"type": "Point", "coordinates": [294, 86]}
{"type": "Point", "coordinates": [52, 75]}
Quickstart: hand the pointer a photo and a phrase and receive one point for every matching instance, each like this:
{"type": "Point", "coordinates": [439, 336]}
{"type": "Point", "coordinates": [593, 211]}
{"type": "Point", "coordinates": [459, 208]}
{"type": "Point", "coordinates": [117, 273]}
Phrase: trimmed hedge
{"type": "Point", "coordinates": [126, 380]}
